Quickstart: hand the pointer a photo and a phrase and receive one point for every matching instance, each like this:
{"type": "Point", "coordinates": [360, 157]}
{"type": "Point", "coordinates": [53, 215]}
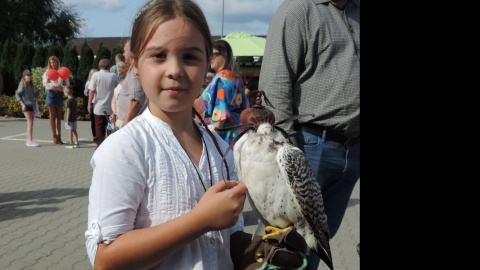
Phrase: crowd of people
{"type": "Point", "coordinates": [161, 184]}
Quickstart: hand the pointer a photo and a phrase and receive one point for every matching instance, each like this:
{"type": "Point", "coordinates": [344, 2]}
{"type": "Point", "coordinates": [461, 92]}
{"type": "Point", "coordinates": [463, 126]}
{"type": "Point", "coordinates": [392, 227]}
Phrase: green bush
{"type": "Point", "coordinates": [11, 107]}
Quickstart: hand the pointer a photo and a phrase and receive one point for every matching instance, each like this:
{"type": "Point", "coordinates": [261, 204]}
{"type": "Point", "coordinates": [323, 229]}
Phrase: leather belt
{"type": "Point", "coordinates": [329, 135]}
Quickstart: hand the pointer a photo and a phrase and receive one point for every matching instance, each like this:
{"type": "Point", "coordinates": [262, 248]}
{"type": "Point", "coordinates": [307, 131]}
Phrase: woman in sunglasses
{"type": "Point", "coordinates": [224, 97]}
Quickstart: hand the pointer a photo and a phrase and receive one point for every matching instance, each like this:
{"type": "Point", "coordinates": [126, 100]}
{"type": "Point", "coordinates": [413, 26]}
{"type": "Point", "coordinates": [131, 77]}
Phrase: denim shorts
{"type": "Point", "coordinates": [54, 98]}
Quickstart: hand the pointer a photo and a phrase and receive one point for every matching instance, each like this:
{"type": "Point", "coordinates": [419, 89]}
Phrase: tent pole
{"type": "Point", "coordinates": [223, 11]}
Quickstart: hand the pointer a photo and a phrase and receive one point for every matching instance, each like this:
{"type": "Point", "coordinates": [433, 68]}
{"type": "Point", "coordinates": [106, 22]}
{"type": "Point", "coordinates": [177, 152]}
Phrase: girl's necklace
{"type": "Point", "coordinates": [208, 159]}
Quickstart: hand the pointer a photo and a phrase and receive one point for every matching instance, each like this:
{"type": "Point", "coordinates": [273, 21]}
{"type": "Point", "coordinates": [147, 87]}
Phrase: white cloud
{"type": "Point", "coordinates": [104, 18]}
{"type": "Point", "coordinates": [108, 5]}
{"type": "Point", "coordinates": [251, 16]}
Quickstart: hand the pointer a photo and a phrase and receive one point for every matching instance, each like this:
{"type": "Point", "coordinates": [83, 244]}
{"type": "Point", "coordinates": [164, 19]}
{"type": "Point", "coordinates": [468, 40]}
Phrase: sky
{"type": "Point", "coordinates": [113, 18]}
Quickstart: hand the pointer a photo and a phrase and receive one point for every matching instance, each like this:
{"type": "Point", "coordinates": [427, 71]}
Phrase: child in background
{"type": "Point", "coordinates": [26, 97]}
{"type": "Point", "coordinates": [71, 116]}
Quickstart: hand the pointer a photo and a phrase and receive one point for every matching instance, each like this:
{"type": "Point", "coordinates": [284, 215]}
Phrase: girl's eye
{"type": "Point", "coordinates": [190, 57]}
{"type": "Point", "coordinates": [160, 56]}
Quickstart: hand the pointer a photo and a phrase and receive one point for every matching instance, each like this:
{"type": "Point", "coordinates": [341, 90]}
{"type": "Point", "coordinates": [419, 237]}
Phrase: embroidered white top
{"type": "Point", "coordinates": [132, 187]}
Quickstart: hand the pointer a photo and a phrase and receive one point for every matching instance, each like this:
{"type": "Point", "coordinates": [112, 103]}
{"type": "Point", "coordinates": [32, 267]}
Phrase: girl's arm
{"type": "Point", "coordinates": [18, 95]}
{"type": "Point", "coordinates": [144, 248]}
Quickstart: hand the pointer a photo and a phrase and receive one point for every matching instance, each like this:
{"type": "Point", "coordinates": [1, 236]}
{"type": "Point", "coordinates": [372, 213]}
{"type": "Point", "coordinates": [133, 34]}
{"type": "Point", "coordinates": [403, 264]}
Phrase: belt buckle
{"type": "Point", "coordinates": [351, 141]}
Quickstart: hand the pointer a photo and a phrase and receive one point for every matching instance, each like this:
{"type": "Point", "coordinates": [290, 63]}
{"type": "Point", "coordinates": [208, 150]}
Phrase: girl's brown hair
{"type": "Point", "coordinates": [153, 13]}
{"type": "Point", "coordinates": [22, 80]}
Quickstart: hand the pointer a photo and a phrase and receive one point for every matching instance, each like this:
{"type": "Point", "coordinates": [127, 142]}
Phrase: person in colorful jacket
{"type": "Point", "coordinates": [224, 97]}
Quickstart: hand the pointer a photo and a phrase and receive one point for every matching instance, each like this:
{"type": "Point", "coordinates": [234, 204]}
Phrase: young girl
{"type": "Point", "coordinates": [54, 98]}
{"type": "Point", "coordinates": [25, 95]}
{"type": "Point", "coordinates": [162, 196]}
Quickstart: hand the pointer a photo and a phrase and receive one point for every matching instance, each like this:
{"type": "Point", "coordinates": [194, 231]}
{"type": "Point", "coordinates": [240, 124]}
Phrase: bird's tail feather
{"type": "Point", "coordinates": [324, 255]}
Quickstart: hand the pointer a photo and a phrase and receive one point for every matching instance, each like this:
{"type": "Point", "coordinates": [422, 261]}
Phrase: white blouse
{"type": "Point", "coordinates": [142, 177]}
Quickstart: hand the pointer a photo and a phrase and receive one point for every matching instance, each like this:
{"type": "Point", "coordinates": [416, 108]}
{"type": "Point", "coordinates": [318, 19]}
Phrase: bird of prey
{"type": "Point", "coordinates": [280, 181]}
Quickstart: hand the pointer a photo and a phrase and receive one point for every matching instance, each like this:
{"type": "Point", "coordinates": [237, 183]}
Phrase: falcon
{"type": "Point", "coordinates": [281, 183]}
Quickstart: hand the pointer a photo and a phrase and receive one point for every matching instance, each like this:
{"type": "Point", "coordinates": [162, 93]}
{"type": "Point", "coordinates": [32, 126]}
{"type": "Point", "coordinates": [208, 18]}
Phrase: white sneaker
{"type": "Point", "coordinates": [32, 143]}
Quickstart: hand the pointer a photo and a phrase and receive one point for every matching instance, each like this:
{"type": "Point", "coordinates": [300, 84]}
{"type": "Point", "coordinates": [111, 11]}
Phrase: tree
{"type": "Point", "coordinates": [117, 48]}
{"type": "Point", "coordinates": [8, 59]}
{"type": "Point", "coordinates": [40, 57]}
{"type": "Point", "coordinates": [23, 58]}
{"type": "Point", "coordinates": [38, 22]}
{"type": "Point", "coordinates": [102, 53]}
{"type": "Point", "coordinates": [86, 62]}
{"type": "Point", "coordinates": [70, 57]}
{"type": "Point", "coordinates": [1, 71]}
{"type": "Point", "coordinates": [70, 60]}
{"type": "Point", "coordinates": [8, 55]}
{"type": "Point", "coordinates": [56, 49]}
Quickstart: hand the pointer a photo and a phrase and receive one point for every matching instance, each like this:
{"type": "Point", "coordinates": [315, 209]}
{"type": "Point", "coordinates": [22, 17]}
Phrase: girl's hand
{"type": "Point", "coordinates": [219, 207]}
{"type": "Point", "coordinates": [56, 87]}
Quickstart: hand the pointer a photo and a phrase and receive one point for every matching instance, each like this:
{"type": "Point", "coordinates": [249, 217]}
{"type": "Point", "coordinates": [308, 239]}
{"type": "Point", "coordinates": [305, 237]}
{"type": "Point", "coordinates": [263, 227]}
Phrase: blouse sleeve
{"type": "Point", "coordinates": [116, 191]}
{"type": "Point", "coordinates": [19, 91]}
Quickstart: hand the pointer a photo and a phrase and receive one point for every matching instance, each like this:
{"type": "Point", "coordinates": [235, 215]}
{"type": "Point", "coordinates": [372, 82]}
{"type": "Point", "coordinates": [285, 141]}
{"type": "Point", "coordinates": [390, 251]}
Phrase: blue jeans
{"type": "Point", "coordinates": [337, 168]}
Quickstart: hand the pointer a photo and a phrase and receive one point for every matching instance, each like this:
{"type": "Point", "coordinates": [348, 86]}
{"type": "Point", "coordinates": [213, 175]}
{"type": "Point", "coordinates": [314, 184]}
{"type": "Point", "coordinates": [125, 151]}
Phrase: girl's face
{"type": "Point", "coordinates": [28, 78]}
{"type": "Point", "coordinates": [172, 67]}
{"type": "Point", "coordinates": [53, 64]}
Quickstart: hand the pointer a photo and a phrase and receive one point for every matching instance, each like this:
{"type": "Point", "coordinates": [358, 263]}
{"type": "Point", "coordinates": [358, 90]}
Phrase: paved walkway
{"type": "Point", "coordinates": [44, 198]}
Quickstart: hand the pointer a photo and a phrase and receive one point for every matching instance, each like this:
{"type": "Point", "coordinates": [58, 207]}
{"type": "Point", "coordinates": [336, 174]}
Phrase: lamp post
{"type": "Point", "coordinates": [223, 10]}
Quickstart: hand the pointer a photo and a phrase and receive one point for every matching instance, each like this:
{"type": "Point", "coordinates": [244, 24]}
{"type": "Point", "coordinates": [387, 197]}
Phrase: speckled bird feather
{"type": "Point", "coordinates": [282, 185]}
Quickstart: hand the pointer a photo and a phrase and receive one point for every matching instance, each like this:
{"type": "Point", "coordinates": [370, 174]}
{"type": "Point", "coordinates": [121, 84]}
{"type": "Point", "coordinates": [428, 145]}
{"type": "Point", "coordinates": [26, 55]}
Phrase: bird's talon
{"type": "Point", "coordinates": [273, 231]}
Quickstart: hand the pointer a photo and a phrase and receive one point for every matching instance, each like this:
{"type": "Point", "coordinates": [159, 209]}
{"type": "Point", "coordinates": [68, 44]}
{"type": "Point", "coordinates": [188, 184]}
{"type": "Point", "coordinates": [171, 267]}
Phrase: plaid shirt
{"type": "Point", "coordinates": [312, 64]}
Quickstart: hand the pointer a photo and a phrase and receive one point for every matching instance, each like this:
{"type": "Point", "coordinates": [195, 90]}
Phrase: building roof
{"type": "Point", "coordinates": [108, 42]}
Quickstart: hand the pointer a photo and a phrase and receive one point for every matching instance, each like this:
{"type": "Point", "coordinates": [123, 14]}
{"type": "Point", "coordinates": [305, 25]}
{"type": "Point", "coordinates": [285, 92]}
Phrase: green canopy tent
{"type": "Point", "coordinates": [247, 49]}
{"type": "Point", "coordinates": [244, 44]}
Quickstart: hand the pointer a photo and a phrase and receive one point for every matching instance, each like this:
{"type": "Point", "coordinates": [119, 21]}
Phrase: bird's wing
{"type": "Point", "coordinates": [299, 175]}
